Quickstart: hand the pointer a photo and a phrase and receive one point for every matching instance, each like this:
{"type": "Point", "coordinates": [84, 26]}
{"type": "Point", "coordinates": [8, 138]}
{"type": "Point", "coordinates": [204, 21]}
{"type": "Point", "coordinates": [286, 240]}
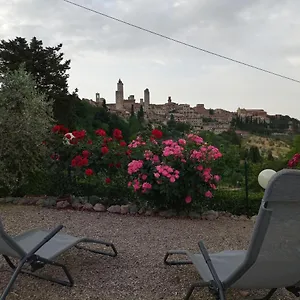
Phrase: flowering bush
{"type": "Point", "coordinates": [92, 165]}
{"type": "Point", "coordinates": [172, 173]}
{"type": "Point", "coordinates": [294, 161]}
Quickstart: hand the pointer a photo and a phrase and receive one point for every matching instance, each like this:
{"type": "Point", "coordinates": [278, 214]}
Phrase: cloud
{"type": "Point", "coordinates": [260, 32]}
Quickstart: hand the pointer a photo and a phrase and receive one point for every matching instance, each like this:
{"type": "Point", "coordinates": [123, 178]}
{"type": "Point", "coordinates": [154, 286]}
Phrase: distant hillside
{"type": "Point", "coordinates": [266, 144]}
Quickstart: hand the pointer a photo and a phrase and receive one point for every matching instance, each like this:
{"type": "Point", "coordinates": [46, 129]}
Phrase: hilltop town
{"type": "Point", "coordinates": [216, 120]}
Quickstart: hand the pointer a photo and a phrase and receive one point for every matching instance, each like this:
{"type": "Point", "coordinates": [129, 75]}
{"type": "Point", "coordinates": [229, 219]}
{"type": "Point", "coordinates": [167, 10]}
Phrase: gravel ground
{"type": "Point", "coordinates": [138, 271]}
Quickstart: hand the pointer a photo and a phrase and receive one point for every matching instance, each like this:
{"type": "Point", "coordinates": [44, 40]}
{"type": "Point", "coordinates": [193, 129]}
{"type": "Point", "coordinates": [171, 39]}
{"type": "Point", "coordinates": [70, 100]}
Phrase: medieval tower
{"type": "Point", "coordinates": [146, 99]}
{"type": "Point", "coordinates": [120, 96]}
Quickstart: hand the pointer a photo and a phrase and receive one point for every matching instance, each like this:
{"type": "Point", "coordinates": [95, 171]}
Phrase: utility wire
{"type": "Point", "coordinates": [182, 43]}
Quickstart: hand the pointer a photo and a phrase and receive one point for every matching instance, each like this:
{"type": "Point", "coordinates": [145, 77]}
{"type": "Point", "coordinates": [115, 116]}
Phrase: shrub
{"type": "Point", "coordinates": [234, 201]}
{"type": "Point", "coordinates": [88, 167]}
{"type": "Point", "coordinates": [25, 120]}
{"type": "Point", "coordinates": [172, 174]}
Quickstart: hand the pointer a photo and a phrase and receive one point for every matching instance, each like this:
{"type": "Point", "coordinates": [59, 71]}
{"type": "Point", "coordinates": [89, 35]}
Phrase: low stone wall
{"type": "Point", "coordinates": [81, 204]}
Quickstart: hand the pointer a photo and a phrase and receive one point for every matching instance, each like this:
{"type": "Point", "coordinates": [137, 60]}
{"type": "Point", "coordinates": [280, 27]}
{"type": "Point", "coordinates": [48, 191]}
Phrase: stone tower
{"type": "Point", "coordinates": [120, 96]}
{"type": "Point", "coordinates": [97, 98]}
{"type": "Point", "coordinates": [146, 99]}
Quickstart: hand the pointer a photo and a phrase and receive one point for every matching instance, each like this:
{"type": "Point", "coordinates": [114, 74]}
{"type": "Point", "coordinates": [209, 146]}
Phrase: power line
{"type": "Point", "coordinates": [182, 43]}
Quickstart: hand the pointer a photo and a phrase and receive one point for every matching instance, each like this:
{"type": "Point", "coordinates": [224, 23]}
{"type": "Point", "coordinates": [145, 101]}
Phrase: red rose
{"type": "Point", "coordinates": [55, 156]}
{"type": "Point", "coordinates": [84, 161]}
{"type": "Point", "coordinates": [128, 152]}
{"type": "Point", "coordinates": [117, 134]}
{"type": "Point", "coordinates": [157, 133]}
{"type": "Point", "coordinates": [89, 172]}
{"type": "Point", "coordinates": [68, 136]}
{"type": "Point", "coordinates": [76, 161]}
{"type": "Point", "coordinates": [107, 180]}
{"type": "Point", "coordinates": [60, 129]}
{"type": "Point", "coordinates": [79, 161]}
{"type": "Point", "coordinates": [85, 153]}
{"type": "Point", "coordinates": [90, 142]}
{"type": "Point", "coordinates": [79, 134]}
{"type": "Point", "coordinates": [123, 144]}
{"type": "Point", "coordinates": [118, 165]}
{"type": "Point", "coordinates": [104, 150]}
{"type": "Point", "coordinates": [111, 165]}
{"type": "Point", "coordinates": [100, 132]}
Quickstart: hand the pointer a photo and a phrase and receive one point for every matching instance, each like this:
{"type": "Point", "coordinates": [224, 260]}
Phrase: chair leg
{"type": "Point", "coordinates": [295, 290]}
{"type": "Point", "coordinates": [269, 295]}
{"type": "Point", "coordinates": [193, 286]}
{"type": "Point", "coordinates": [69, 282]}
{"type": "Point", "coordinates": [114, 252]}
{"type": "Point", "coordinates": [17, 271]}
{"type": "Point", "coordinates": [178, 262]}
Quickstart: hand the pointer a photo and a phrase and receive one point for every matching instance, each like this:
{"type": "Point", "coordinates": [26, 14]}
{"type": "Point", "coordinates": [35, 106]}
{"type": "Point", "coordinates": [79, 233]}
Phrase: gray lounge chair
{"type": "Point", "coordinates": [38, 248]}
{"type": "Point", "coordinates": [272, 260]}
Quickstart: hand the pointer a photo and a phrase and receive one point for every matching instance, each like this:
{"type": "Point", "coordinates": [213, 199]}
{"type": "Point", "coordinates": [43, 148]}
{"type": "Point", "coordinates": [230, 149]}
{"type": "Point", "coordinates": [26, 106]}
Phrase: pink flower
{"type": "Point", "coordinates": [200, 168]}
{"type": "Point", "coordinates": [208, 194]}
{"type": "Point", "coordinates": [195, 138]}
{"type": "Point", "coordinates": [217, 178]}
{"type": "Point", "coordinates": [144, 177]}
{"type": "Point", "coordinates": [188, 199]}
{"type": "Point", "coordinates": [146, 187]}
{"type": "Point", "coordinates": [172, 179]}
{"type": "Point", "coordinates": [182, 142]}
{"type": "Point", "coordinates": [129, 184]}
{"type": "Point", "coordinates": [148, 154]}
{"type": "Point", "coordinates": [155, 159]}
{"type": "Point", "coordinates": [156, 175]}
{"type": "Point", "coordinates": [136, 185]}
{"type": "Point", "coordinates": [134, 166]}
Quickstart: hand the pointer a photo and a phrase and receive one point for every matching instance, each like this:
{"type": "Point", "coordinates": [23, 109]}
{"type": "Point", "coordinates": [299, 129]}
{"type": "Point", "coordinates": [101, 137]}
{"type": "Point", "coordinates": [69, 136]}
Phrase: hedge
{"type": "Point", "coordinates": [234, 201]}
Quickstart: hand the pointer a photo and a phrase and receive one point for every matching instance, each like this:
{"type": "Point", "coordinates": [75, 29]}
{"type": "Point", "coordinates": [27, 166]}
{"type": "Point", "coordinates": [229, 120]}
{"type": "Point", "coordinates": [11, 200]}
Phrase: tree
{"type": "Point", "coordinates": [140, 114]}
{"type": "Point", "coordinates": [25, 121]}
{"type": "Point", "coordinates": [132, 111]}
{"type": "Point", "coordinates": [48, 68]}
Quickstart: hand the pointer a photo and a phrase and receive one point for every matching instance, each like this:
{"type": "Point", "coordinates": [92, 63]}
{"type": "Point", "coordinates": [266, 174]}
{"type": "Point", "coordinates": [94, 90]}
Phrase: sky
{"type": "Point", "coordinates": [264, 33]}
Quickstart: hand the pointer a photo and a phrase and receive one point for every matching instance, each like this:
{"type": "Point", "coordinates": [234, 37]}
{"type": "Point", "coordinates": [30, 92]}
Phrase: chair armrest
{"type": "Point", "coordinates": [212, 270]}
{"type": "Point", "coordinates": [43, 241]}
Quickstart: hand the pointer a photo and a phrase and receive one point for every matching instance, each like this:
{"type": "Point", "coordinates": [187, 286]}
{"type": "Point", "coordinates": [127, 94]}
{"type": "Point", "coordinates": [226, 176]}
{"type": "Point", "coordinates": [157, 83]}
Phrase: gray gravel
{"type": "Point", "coordinates": [138, 271]}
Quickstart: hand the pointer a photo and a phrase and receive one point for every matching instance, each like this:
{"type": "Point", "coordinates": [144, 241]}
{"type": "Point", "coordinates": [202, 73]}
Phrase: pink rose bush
{"type": "Point", "coordinates": [172, 173]}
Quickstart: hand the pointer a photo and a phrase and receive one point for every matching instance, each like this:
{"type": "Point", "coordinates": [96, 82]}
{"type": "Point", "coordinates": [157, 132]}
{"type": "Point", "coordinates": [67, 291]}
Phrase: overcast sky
{"type": "Point", "coordinates": [261, 32]}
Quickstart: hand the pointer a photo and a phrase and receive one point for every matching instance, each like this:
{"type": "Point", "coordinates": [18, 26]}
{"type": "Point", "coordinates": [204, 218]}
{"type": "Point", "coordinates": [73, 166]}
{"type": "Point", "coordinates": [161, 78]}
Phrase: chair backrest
{"type": "Point", "coordinates": [273, 257]}
{"type": "Point", "coordinates": [8, 246]}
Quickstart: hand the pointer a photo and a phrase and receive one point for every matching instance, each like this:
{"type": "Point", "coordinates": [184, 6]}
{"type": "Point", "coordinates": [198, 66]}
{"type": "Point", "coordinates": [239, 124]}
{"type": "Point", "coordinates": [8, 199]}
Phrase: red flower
{"type": "Point", "coordinates": [104, 150]}
{"type": "Point", "coordinates": [118, 165]}
{"type": "Point", "coordinates": [55, 156]}
{"type": "Point", "coordinates": [111, 165]}
{"type": "Point", "coordinates": [79, 161]}
{"type": "Point", "coordinates": [79, 134]}
{"type": "Point", "coordinates": [107, 180]}
{"type": "Point", "coordinates": [68, 136]}
{"type": "Point", "coordinates": [90, 142]}
{"type": "Point", "coordinates": [128, 152]}
{"type": "Point", "coordinates": [294, 161]}
{"type": "Point", "coordinates": [123, 144]}
{"type": "Point", "coordinates": [117, 134]}
{"type": "Point", "coordinates": [157, 133]}
{"type": "Point", "coordinates": [89, 172]}
{"type": "Point", "coordinates": [107, 140]}
{"type": "Point", "coordinates": [100, 132]}
{"type": "Point", "coordinates": [60, 129]}
{"type": "Point", "coordinates": [85, 153]}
